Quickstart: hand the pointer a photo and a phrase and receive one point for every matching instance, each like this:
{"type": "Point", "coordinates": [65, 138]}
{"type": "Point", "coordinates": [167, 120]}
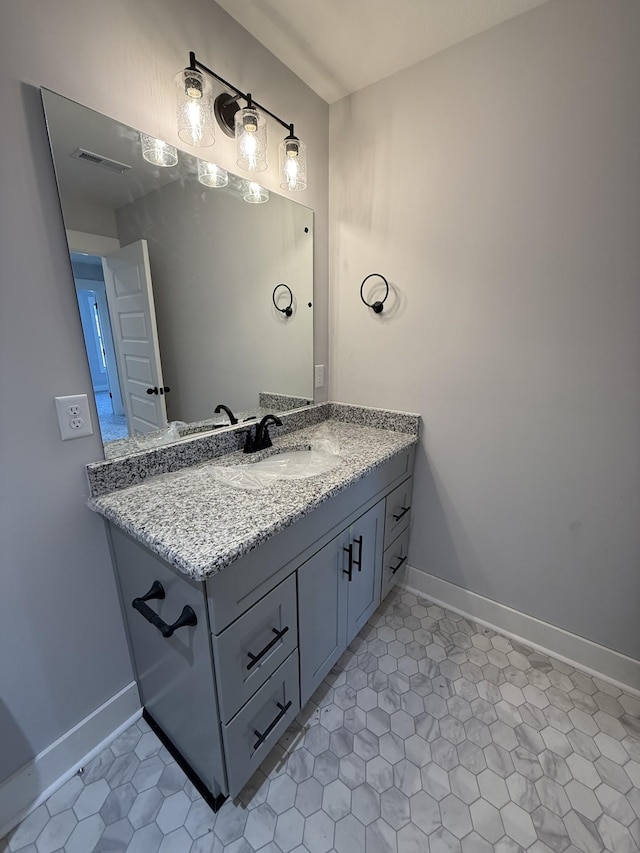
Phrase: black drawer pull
{"type": "Point", "coordinates": [278, 636]}
{"type": "Point", "coordinates": [349, 571]}
{"type": "Point", "coordinates": [405, 510]}
{"type": "Point", "coordinates": [394, 569]}
{"type": "Point", "coordinates": [262, 737]}
{"type": "Point", "coordinates": [358, 562]}
{"type": "Point", "coordinates": [186, 618]}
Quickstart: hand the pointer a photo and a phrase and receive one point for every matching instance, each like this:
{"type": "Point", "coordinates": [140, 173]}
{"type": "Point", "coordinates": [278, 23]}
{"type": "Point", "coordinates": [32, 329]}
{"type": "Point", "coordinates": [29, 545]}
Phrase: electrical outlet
{"type": "Point", "coordinates": [319, 380]}
{"type": "Point", "coordinates": [74, 416]}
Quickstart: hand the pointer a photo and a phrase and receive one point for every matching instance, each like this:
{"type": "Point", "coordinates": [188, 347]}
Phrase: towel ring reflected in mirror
{"type": "Point", "coordinates": [288, 310]}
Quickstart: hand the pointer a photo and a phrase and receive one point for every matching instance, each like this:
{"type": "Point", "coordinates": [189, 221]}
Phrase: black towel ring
{"type": "Point", "coordinates": [379, 305]}
{"type": "Point", "coordinates": [288, 311]}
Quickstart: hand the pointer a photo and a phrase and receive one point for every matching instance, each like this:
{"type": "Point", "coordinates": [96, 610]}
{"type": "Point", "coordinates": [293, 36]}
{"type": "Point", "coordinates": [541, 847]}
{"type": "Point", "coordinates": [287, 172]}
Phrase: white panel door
{"type": "Point", "coordinates": [127, 277]}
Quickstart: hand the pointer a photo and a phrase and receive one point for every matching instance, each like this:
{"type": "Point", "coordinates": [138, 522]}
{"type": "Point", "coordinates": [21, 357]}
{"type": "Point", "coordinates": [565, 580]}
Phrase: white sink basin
{"type": "Point", "coordinates": [286, 465]}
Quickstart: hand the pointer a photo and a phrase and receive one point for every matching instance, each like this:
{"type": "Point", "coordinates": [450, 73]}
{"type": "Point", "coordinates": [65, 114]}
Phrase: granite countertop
{"type": "Point", "coordinates": [200, 525]}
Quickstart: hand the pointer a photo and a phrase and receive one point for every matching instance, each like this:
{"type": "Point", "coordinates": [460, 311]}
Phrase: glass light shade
{"type": "Point", "coordinates": [158, 152]}
{"type": "Point", "coordinates": [255, 194]}
{"type": "Point", "coordinates": [251, 140]}
{"type": "Point", "coordinates": [292, 158]}
{"type": "Point", "coordinates": [211, 175]}
{"type": "Point", "coordinates": [194, 110]}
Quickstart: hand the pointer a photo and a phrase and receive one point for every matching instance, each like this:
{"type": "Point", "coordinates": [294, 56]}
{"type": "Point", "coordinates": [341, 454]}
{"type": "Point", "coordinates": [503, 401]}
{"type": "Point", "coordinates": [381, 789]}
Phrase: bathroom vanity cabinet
{"type": "Point", "coordinates": [269, 626]}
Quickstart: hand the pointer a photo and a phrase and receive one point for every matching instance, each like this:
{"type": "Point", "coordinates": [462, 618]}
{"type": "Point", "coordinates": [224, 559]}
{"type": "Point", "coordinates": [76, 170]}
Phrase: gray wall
{"type": "Point", "coordinates": [62, 647]}
{"type": "Point", "coordinates": [89, 218]}
{"type": "Point", "coordinates": [214, 263]}
{"type": "Point", "coordinates": [497, 185]}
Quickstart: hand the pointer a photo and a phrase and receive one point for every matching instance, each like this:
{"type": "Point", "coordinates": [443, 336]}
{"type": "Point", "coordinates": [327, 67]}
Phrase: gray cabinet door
{"type": "Point", "coordinates": [322, 621]}
{"type": "Point", "coordinates": [363, 596]}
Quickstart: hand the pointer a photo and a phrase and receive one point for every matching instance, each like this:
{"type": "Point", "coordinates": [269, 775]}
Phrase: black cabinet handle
{"type": "Point", "coordinates": [349, 571]}
{"type": "Point", "coordinates": [156, 591]}
{"type": "Point", "coordinates": [358, 562]}
{"type": "Point", "coordinates": [404, 511]}
{"type": "Point", "coordinates": [186, 618]}
{"type": "Point", "coordinates": [278, 636]}
{"type": "Point", "coordinates": [262, 737]}
{"type": "Point", "coordinates": [394, 569]}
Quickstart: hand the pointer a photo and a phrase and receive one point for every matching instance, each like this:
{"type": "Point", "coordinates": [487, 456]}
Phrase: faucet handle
{"type": "Point", "coordinates": [249, 444]}
{"type": "Point", "coordinates": [265, 439]}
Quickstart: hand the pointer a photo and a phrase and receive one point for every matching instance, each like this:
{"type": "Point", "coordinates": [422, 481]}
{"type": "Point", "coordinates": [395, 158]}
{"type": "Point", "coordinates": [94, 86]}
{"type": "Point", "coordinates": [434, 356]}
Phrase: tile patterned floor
{"type": "Point", "coordinates": [432, 735]}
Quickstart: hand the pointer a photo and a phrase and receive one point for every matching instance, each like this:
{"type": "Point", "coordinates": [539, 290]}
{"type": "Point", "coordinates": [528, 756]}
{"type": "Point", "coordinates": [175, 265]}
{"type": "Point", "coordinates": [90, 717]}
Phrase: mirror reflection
{"type": "Point", "coordinates": [177, 270]}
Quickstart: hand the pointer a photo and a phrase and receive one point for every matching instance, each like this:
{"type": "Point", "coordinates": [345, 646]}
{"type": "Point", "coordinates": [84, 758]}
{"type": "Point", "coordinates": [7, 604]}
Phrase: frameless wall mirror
{"type": "Point", "coordinates": [175, 281]}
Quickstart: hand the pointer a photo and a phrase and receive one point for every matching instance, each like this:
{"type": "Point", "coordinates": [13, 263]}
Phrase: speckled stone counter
{"type": "Point", "coordinates": [200, 525]}
{"type": "Point", "coordinates": [138, 466]}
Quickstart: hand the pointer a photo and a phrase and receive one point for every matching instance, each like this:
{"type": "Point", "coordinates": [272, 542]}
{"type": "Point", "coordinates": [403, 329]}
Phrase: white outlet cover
{"type": "Point", "coordinates": [74, 416]}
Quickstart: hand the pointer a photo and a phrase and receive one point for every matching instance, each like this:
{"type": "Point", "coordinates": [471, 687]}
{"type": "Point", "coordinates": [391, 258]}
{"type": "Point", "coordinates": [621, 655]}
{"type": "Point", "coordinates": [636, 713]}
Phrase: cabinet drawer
{"type": "Point", "coordinates": [397, 514]}
{"type": "Point", "coordinates": [254, 646]}
{"type": "Point", "coordinates": [394, 565]}
{"type": "Point", "coordinates": [257, 727]}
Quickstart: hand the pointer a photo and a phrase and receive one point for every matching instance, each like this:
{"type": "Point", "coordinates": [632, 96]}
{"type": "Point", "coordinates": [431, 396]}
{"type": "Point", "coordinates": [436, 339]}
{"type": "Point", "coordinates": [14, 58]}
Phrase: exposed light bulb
{"type": "Point", "coordinates": [292, 154]}
{"type": "Point", "coordinates": [249, 149]}
{"type": "Point", "coordinates": [192, 86]}
{"type": "Point", "coordinates": [251, 140]}
{"type": "Point", "coordinates": [250, 122]}
{"type": "Point", "coordinates": [291, 168]}
{"type": "Point", "coordinates": [194, 108]}
{"type": "Point", "coordinates": [194, 116]}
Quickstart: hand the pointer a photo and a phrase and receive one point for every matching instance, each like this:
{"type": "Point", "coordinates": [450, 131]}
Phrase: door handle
{"type": "Point", "coordinates": [186, 619]}
{"type": "Point", "coordinates": [153, 390]}
{"type": "Point", "coordinates": [262, 736]}
{"type": "Point", "coordinates": [394, 569]}
{"type": "Point", "coordinates": [403, 511]}
{"type": "Point", "coordinates": [349, 571]}
{"type": "Point", "coordinates": [358, 562]}
{"type": "Point", "coordinates": [278, 636]}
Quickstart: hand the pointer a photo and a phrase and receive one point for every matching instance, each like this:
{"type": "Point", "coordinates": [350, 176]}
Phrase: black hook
{"type": "Point", "coordinates": [379, 305]}
{"type": "Point", "coordinates": [288, 311]}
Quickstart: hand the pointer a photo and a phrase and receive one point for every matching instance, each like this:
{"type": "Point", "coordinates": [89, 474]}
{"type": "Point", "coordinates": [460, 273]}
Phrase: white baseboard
{"type": "Point", "coordinates": [604, 663]}
{"type": "Point", "coordinates": [36, 781]}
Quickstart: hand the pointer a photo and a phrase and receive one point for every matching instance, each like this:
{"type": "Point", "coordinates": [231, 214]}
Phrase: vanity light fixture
{"type": "Point", "coordinates": [254, 193]}
{"type": "Point", "coordinates": [194, 110]}
{"type": "Point", "coordinates": [158, 152]}
{"type": "Point", "coordinates": [248, 124]}
{"type": "Point", "coordinates": [211, 175]}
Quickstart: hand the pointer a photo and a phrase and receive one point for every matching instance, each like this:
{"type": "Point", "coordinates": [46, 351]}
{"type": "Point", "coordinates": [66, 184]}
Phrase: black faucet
{"type": "Point", "coordinates": [226, 409]}
{"type": "Point", "coordinates": [262, 439]}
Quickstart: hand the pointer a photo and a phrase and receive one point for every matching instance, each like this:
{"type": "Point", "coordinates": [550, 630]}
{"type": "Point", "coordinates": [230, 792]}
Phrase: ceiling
{"type": "Point", "coordinates": [340, 46]}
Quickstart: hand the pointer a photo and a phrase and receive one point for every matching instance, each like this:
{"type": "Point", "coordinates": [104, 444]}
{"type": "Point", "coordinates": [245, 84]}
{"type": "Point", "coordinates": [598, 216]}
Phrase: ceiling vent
{"type": "Point", "coordinates": [98, 160]}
